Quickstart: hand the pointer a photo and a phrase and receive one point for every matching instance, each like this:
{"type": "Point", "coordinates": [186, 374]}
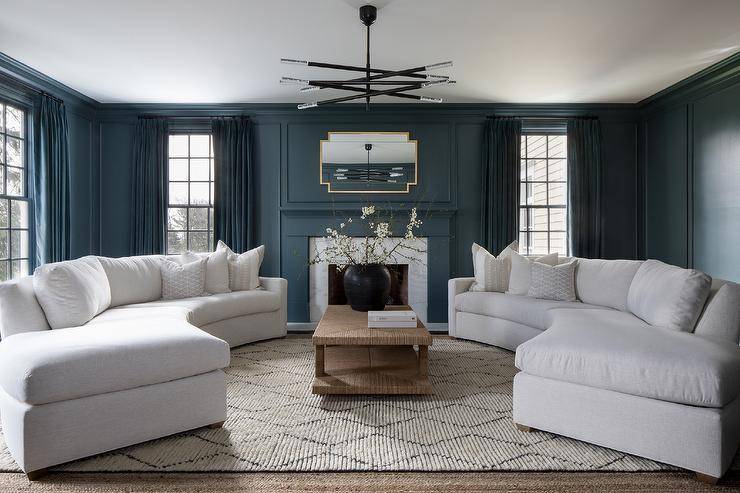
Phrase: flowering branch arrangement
{"type": "Point", "coordinates": [344, 250]}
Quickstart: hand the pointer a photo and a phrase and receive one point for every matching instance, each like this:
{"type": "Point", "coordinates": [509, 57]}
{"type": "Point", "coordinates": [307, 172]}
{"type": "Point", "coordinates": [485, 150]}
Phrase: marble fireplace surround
{"type": "Point", "coordinates": [417, 275]}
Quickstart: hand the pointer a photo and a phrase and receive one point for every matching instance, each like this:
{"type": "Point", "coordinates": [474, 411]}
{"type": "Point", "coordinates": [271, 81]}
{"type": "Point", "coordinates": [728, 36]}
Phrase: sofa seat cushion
{"type": "Point", "coordinates": [615, 350]}
{"type": "Point", "coordinates": [514, 308]}
{"type": "Point", "coordinates": [58, 365]}
{"type": "Point", "coordinates": [202, 310]}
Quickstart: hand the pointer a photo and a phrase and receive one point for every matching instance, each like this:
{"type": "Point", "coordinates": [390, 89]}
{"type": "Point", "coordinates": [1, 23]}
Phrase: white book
{"type": "Point", "coordinates": [392, 325]}
{"type": "Point", "coordinates": [392, 316]}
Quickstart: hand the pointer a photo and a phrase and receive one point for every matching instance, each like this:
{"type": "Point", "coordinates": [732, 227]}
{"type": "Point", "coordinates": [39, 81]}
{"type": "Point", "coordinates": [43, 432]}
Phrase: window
{"type": "Point", "coordinates": [190, 193]}
{"type": "Point", "coordinates": [543, 215]}
{"type": "Point", "coordinates": [14, 203]}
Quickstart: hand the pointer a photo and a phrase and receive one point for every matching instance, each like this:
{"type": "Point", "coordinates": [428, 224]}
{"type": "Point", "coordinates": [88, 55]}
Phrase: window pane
{"type": "Point", "coordinates": [19, 214]}
{"type": "Point", "coordinates": [199, 169]}
{"type": "Point", "coordinates": [20, 268]}
{"type": "Point", "coordinates": [523, 244]}
{"type": "Point", "coordinates": [2, 117]}
{"type": "Point", "coordinates": [199, 145]}
{"type": "Point", "coordinates": [176, 242]}
{"type": "Point", "coordinates": [4, 214]}
{"type": "Point", "coordinates": [557, 193]}
{"type": "Point", "coordinates": [538, 170]}
{"type": "Point", "coordinates": [536, 146]}
{"type": "Point", "coordinates": [14, 152]}
{"type": "Point", "coordinates": [198, 242]}
{"type": "Point", "coordinates": [556, 170]}
{"type": "Point", "coordinates": [4, 271]}
{"type": "Point", "coordinates": [15, 181]}
{"type": "Point", "coordinates": [178, 170]}
{"type": "Point", "coordinates": [2, 179]}
{"type": "Point", "coordinates": [4, 244]}
{"type": "Point", "coordinates": [557, 243]}
{"type": "Point", "coordinates": [199, 218]}
{"type": "Point", "coordinates": [523, 224]}
{"type": "Point", "coordinates": [557, 146]}
{"type": "Point", "coordinates": [178, 146]}
{"type": "Point", "coordinates": [177, 218]}
{"type": "Point", "coordinates": [19, 244]}
{"type": "Point", "coordinates": [2, 148]}
{"type": "Point", "coordinates": [199, 193]}
{"type": "Point", "coordinates": [539, 194]}
{"type": "Point", "coordinates": [558, 220]}
{"type": "Point", "coordinates": [14, 121]}
{"type": "Point", "coordinates": [523, 188]}
{"type": "Point", "coordinates": [523, 173]}
{"type": "Point", "coordinates": [178, 193]}
{"type": "Point", "coordinates": [539, 243]}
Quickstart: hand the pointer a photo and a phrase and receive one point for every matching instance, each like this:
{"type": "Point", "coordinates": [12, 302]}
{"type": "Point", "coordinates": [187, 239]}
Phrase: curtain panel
{"type": "Point", "coordinates": [148, 187]}
{"type": "Point", "coordinates": [51, 183]}
{"type": "Point", "coordinates": [500, 183]}
{"type": "Point", "coordinates": [584, 187]}
{"type": "Point", "coordinates": [232, 151]}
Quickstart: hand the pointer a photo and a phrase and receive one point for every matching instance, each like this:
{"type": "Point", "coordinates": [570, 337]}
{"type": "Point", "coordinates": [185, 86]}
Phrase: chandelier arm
{"type": "Point", "coordinates": [364, 95]}
{"type": "Point", "coordinates": [363, 82]}
{"type": "Point", "coordinates": [357, 89]}
{"type": "Point", "coordinates": [352, 68]}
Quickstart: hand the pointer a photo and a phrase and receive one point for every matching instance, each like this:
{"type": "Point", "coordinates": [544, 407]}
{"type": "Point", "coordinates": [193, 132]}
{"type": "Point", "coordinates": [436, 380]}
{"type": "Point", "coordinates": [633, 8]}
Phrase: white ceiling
{"type": "Point", "coordinates": [519, 51]}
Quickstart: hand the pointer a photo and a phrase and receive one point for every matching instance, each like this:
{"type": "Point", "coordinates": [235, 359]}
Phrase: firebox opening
{"type": "Point", "coordinates": [399, 285]}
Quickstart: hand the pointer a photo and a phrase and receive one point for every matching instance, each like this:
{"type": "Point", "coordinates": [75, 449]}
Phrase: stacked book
{"type": "Point", "coordinates": [393, 319]}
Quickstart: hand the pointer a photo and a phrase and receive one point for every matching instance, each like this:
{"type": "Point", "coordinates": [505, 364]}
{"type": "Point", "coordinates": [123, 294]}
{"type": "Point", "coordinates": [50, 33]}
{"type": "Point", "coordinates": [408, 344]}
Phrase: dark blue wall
{"type": "Point", "coordinates": [690, 152]}
{"type": "Point", "coordinates": [291, 206]}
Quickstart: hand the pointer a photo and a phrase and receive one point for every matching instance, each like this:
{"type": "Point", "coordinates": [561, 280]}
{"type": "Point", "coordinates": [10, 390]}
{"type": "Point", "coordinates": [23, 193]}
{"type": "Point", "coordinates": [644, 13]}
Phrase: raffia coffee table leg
{"type": "Point", "coordinates": [423, 360]}
{"type": "Point", "coordinates": [320, 361]}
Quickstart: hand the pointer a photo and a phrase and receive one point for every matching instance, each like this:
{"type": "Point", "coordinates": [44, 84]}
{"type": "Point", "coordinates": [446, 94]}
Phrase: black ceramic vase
{"type": "Point", "coordinates": [367, 286]}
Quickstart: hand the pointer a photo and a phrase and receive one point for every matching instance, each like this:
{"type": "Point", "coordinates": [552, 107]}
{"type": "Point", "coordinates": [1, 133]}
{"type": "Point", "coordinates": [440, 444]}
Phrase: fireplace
{"type": "Point", "coordinates": [408, 279]}
{"type": "Point", "coordinates": [399, 285]}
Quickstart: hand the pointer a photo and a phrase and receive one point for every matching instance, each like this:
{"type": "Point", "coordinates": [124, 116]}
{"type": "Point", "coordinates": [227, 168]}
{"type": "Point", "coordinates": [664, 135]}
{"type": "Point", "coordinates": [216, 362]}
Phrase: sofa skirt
{"type": "Point", "coordinates": [49, 434]}
{"type": "Point", "coordinates": [492, 330]}
{"type": "Point", "coordinates": [701, 439]}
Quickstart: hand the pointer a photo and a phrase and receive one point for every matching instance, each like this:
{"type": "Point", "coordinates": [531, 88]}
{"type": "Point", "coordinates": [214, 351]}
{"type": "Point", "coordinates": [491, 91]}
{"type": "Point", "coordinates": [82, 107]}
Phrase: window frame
{"type": "Point", "coordinates": [12, 97]}
{"type": "Point", "coordinates": [524, 207]}
{"type": "Point", "coordinates": [187, 206]}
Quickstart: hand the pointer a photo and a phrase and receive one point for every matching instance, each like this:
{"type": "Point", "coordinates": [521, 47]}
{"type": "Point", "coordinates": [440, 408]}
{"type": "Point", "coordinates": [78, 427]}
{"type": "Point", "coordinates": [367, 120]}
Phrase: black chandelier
{"type": "Point", "coordinates": [366, 87]}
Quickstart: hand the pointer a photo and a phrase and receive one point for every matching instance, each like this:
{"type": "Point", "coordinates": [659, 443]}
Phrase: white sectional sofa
{"type": "Point", "coordinates": [627, 366]}
{"type": "Point", "coordinates": [142, 369]}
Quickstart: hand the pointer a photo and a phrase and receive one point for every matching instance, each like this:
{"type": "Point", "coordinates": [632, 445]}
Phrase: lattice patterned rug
{"type": "Point", "coordinates": [276, 424]}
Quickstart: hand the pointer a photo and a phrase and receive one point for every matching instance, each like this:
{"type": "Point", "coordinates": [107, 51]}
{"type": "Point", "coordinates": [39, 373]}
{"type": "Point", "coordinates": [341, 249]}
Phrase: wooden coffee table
{"type": "Point", "coordinates": [354, 359]}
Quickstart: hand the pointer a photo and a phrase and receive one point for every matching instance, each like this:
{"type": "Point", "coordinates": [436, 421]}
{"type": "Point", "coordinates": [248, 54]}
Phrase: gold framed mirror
{"type": "Point", "coordinates": [368, 162]}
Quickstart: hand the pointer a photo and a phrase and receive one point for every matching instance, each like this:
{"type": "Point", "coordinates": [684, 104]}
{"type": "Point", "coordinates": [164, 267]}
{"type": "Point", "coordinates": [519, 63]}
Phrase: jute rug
{"type": "Point", "coordinates": [276, 424]}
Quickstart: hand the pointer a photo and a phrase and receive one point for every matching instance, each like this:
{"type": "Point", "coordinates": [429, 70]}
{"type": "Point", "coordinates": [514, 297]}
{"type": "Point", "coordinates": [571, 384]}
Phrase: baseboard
{"type": "Point", "coordinates": [302, 327]}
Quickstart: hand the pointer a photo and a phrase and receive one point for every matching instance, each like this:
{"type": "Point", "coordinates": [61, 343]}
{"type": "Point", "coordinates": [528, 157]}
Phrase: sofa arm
{"type": "Point", "coordinates": [280, 286]}
{"type": "Point", "coordinates": [455, 287]}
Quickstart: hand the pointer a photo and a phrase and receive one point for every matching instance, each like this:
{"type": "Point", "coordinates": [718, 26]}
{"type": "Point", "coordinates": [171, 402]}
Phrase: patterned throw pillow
{"type": "Point", "coordinates": [217, 269]}
{"type": "Point", "coordinates": [492, 273]}
{"type": "Point", "coordinates": [244, 269]}
{"type": "Point", "coordinates": [521, 271]}
{"type": "Point", "coordinates": [183, 281]}
{"type": "Point", "coordinates": [553, 282]}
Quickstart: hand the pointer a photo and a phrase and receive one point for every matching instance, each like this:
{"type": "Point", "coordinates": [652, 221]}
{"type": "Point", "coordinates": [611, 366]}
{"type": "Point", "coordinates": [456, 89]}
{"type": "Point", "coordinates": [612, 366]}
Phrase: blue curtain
{"type": "Point", "coordinates": [148, 187]}
{"type": "Point", "coordinates": [51, 183]}
{"type": "Point", "coordinates": [584, 187]}
{"type": "Point", "coordinates": [500, 183]}
{"type": "Point", "coordinates": [233, 181]}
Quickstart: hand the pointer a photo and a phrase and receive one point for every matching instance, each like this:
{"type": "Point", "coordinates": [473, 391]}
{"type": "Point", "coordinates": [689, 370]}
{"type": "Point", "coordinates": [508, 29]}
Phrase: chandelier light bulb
{"type": "Point", "coordinates": [309, 88]}
{"type": "Point", "coordinates": [428, 99]}
{"type": "Point", "coordinates": [293, 80]}
{"type": "Point", "coordinates": [435, 66]}
{"type": "Point", "coordinates": [305, 106]}
{"type": "Point", "coordinates": [291, 61]}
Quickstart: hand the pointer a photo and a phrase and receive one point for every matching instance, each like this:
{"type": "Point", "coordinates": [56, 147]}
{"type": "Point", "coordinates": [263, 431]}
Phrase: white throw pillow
{"type": "Point", "coordinates": [244, 269]}
{"type": "Point", "coordinates": [668, 296]}
{"type": "Point", "coordinates": [521, 271]}
{"type": "Point", "coordinates": [183, 281]}
{"type": "Point", "coordinates": [133, 279]}
{"type": "Point", "coordinates": [217, 270]}
{"type": "Point", "coordinates": [553, 282]}
{"type": "Point", "coordinates": [492, 273]}
{"type": "Point", "coordinates": [72, 292]}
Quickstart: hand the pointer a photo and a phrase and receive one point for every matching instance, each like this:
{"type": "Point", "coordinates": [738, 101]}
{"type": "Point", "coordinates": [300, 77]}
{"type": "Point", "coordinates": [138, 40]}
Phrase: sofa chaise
{"type": "Point", "coordinates": [613, 368]}
{"type": "Point", "coordinates": [142, 369]}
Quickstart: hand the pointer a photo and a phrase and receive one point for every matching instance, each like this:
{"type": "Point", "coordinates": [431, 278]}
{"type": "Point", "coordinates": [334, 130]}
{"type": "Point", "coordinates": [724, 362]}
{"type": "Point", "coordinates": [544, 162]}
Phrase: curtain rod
{"type": "Point", "coordinates": [35, 90]}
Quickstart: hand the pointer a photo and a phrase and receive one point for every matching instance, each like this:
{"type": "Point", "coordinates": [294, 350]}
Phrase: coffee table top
{"type": "Point", "coordinates": [343, 326]}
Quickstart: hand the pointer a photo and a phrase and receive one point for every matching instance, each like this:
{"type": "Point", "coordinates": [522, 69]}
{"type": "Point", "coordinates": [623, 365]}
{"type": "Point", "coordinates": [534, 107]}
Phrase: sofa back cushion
{"type": "Point", "coordinates": [668, 296]}
{"type": "Point", "coordinates": [605, 282]}
{"type": "Point", "coordinates": [71, 292]}
{"type": "Point", "coordinates": [133, 279]}
{"type": "Point", "coordinates": [721, 317]}
{"type": "Point", "coordinates": [19, 309]}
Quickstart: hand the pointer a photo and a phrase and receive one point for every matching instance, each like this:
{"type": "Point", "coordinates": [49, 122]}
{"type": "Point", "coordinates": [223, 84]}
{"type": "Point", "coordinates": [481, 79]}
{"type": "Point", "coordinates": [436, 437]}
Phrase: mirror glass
{"type": "Point", "coordinates": [368, 162]}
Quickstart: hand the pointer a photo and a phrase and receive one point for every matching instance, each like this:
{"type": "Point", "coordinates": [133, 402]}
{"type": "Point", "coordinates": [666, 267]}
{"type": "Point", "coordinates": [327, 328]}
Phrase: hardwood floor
{"type": "Point", "coordinates": [365, 482]}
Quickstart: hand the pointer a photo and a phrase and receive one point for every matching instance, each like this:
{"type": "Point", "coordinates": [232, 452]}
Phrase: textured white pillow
{"type": "Point", "coordinates": [217, 270]}
{"type": "Point", "coordinates": [133, 279]}
{"type": "Point", "coordinates": [244, 269]}
{"type": "Point", "coordinates": [521, 271]}
{"type": "Point", "coordinates": [492, 273]}
{"type": "Point", "coordinates": [553, 282]}
{"type": "Point", "coordinates": [71, 292]}
{"type": "Point", "coordinates": [721, 318]}
{"type": "Point", "coordinates": [183, 281]}
{"type": "Point", "coordinates": [668, 296]}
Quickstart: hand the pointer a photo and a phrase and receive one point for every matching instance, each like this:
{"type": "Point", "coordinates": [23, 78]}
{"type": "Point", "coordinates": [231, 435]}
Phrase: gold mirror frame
{"type": "Point", "coordinates": [407, 140]}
